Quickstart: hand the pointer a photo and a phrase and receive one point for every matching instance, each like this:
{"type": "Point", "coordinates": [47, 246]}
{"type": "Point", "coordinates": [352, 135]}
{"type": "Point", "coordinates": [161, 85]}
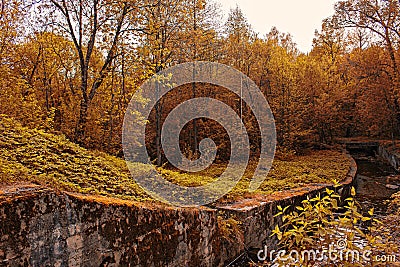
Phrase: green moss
{"type": "Point", "coordinates": [191, 179]}
{"type": "Point", "coordinates": [35, 156]}
{"type": "Point", "coordinates": [316, 167]}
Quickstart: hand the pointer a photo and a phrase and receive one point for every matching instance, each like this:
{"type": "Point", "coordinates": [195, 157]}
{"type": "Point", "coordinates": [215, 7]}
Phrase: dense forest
{"type": "Point", "coordinates": [72, 66]}
{"type": "Point", "coordinates": [75, 186]}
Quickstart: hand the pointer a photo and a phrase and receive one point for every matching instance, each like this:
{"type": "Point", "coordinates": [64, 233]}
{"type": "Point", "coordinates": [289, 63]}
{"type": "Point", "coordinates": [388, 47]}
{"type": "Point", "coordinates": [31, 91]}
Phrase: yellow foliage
{"type": "Point", "coordinates": [36, 156]}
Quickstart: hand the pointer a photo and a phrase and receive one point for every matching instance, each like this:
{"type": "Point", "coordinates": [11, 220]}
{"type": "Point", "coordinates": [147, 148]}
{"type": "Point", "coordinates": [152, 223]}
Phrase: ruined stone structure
{"type": "Point", "coordinates": [42, 227]}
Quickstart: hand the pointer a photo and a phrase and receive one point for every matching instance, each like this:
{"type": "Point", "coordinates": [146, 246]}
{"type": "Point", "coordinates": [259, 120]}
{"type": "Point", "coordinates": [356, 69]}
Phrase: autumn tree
{"type": "Point", "coordinates": [198, 42]}
{"type": "Point", "coordinates": [158, 44]}
{"type": "Point", "coordinates": [48, 63]}
{"type": "Point", "coordinates": [239, 36]}
{"type": "Point", "coordinates": [329, 48]}
{"type": "Point", "coordinates": [375, 109]}
{"type": "Point", "coordinates": [91, 25]}
{"type": "Point", "coordinates": [381, 18]}
{"type": "Point", "coordinates": [17, 98]}
{"type": "Point", "coordinates": [283, 95]}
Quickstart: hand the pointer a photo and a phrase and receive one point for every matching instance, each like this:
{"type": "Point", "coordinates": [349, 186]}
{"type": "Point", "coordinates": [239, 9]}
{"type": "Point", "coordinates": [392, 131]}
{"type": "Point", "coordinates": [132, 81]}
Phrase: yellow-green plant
{"type": "Point", "coordinates": [320, 231]}
{"type": "Point", "coordinates": [229, 229]}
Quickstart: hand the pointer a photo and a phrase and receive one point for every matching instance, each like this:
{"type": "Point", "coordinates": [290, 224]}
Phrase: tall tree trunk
{"type": "Point", "coordinates": [80, 131]}
{"type": "Point", "coordinates": [158, 125]}
{"type": "Point", "coordinates": [395, 80]}
{"type": "Point", "coordinates": [195, 130]}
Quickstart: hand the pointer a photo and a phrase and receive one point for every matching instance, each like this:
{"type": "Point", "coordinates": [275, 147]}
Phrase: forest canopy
{"type": "Point", "coordinates": [71, 67]}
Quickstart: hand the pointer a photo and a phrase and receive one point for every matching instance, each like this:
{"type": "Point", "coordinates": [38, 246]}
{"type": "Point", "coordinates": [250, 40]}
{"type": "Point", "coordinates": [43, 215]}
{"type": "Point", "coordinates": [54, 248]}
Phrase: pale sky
{"type": "Point", "coordinates": [300, 18]}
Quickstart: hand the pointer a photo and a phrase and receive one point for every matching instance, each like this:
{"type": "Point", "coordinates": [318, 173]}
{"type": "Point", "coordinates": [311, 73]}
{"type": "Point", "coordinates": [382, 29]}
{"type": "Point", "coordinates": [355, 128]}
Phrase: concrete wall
{"type": "Point", "coordinates": [390, 157]}
{"type": "Point", "coordinates": [40, 227]}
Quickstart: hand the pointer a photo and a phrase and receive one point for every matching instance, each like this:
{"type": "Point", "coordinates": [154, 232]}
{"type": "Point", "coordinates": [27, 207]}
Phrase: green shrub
{"type": "Point", "coordinates": [320, 223]}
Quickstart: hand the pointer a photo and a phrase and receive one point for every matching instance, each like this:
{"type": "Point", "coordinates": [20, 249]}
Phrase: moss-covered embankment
{"type": "Point", "coordinates": [62, 205]}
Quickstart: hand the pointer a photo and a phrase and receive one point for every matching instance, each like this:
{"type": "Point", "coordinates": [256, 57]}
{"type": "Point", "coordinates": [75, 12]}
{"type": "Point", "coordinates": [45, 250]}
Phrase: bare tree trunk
{"type": "Point", "coordinates": [158, 127]}
{"type": "Point", "coordinates": [80, 130]}
{"type": "Point", "coordinates": [195, 130]}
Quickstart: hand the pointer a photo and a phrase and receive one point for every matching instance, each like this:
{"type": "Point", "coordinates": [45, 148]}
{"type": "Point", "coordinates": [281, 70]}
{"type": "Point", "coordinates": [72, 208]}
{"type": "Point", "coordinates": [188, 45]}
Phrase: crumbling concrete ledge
{"type": "Point", "coordinates": [43, 227]}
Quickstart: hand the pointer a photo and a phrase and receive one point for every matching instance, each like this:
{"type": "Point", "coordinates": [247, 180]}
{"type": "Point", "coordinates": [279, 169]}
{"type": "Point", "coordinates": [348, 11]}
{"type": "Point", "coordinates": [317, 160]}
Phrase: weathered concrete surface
{"type": "Point", "coordinates": [373, 148]}
{"type": "Point", "coordinates": [257, 214]}
{"type": "Point", "coordinates": [392, 158]}
{"type": "Point", "coordinates": [40, 227]}
{"type": "Point", "coordinates": [361, 148]}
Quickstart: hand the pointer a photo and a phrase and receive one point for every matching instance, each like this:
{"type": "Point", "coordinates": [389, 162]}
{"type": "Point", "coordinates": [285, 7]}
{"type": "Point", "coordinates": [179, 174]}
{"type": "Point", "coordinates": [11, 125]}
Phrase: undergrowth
{"type": "Point", "coordinates": [37, 156]}
{"type": "Point", "coordinates": [316, 167]}
{"type": "Point", "coordinates": [320, 232]}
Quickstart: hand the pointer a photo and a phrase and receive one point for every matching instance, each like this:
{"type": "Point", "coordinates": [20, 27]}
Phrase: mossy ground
{"type": "Point", "coordinates": [39, 157]}
{"type": "Point", "coordinates": [36, 156]}
{"type": "Point", "coordinates": [322, 166]}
